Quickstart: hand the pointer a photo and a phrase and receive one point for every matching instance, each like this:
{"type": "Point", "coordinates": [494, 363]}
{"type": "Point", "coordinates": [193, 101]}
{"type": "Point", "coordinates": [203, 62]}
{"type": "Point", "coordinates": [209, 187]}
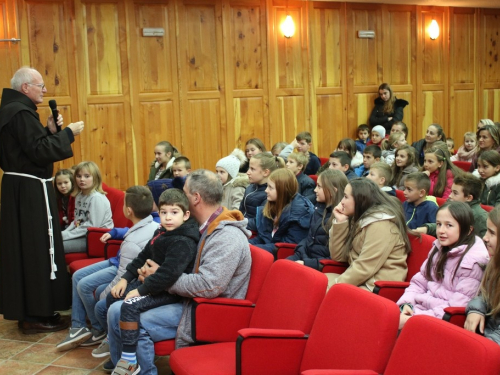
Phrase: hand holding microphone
{"type": "Point", "coordinates": [55, 115]}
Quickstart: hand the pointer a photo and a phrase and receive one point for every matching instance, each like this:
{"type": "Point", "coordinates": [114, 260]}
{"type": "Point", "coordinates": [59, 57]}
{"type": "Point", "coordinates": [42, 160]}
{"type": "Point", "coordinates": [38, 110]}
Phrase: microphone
{"type": "Point", "coordinates": [55, 113]}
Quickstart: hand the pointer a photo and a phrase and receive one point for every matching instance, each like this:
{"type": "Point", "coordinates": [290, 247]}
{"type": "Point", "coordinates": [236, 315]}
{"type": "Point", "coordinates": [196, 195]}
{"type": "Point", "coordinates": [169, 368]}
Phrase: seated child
{"type": "Point", "coordinates": [363, 137]}
{"type": "Point", "coordinates": [98, 279]}
{"type": "Point", "coordinates": [482, 311]}
{"type": "Point", "coordinates": [400, 126]}
{"type": "Point", "coordinates": [452, 273]}
{"type": "Point", "coordinates": [418, 210]}
{"type": "Point", "coordinates": [303, 142]}
{"type": "Point", "coordinates": [341, 161]}
{"type": "Point", "coordinates": [296, 163]}
{"type": "Point", "coordinates": [488, 167]}
{"type": "Point", "coordinates": [467, 151]}
{"type": "Point", "coordinates": [380, 173]}
{"type": "Point", "coordinates": [286, 215]}
{"type": "Point", "coordinates": [92, 208]}
{"type": "Point", "coordinates": [181, 167]}
{"type": "Point", "coordinates": [390, 145]}
{"type": "Point", "coordinates": [348, 145]}
{"type": "Point", "coordinates": [64, 183]}
{"type": "Point", "coordinates": [441, 171]}
{"type": "Point", "coordinates": [378, 134]}
{"type": "Point", "coordinates": [466, 188]}
{"type": "Point", "coordinates": [404, 164]}
{"type": "Point", "coordinates": [260, 167]}
{"type": "Point", "coordinates": [371, 155]}
{"type": "Point", "coordinates": [329, 192]}
{"type": "Point", "coordinates": [450, 143]}
{"type": "Point", "coordinates": [173, 246]}
{"type": "Point", "coordinates": [165, 155]}
{"type": "Point", "coordinates": [233, 184]}
{"type": "Point", "coordinates": [278, 147]}
{"type": "Point", "coordinates": [254, 146]}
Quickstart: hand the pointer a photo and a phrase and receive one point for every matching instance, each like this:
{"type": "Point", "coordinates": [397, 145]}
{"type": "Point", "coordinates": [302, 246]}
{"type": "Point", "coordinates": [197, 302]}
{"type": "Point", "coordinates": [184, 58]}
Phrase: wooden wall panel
{"type": "Point", "coordinates": [291, 119]}
{"type": "Point", "coordinates": [491, 104]}
{"type": "Point", "coordinates": [433, 51]}
{"type": "Point", "coordinates": [490, 37]}
{"type": "Point", "coordinates": [462, 116]}
{"type": "Point", "coordinates": [9, 52]}
{"type": "Point", "coordinates": [433, 111]}
{"type": "Point", "coordinates": [399, 46]}
{"type": "Point", "coordinates": [249, 121]}
{"type": "Point", "coordinates": [332, 128]}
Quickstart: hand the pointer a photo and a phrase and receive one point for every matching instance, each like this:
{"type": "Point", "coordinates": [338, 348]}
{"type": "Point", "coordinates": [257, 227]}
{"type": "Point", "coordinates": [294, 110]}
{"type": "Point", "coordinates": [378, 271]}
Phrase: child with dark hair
{"type": "Point", "coordinates": [441, 171]}
{"type": "Point", "coordinates": [404, 164]}
{"type": "Point", "coordinates": [467, 189]}
{"type": "Point", "coordinates": [303, 142]}
{"type": "Point", "coordinates": [452, 273]}
{"type": "Point", "coordinates": [363, 137]}
{"type": "Point", "coordinates": [181, 166]}
{"type": "Point", "coordinates": [488, 168]}
{"type": "Point", "coordinates": [341, 161]}
{"type": "Point", "coordinates": [400, 126]}
{"type": "Point", "coordinates": [348, 145]}
{"type": "Point", "coordinates": [417, 208]}
{"type": "Point", "coordinates": [64, 183]}
{"type": "Point", "coordinates": [371, 155]}
{"type": "Point", "coordinates": [174, 247]}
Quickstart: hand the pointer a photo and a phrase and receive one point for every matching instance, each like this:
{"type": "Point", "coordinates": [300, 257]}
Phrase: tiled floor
{"type": "Point", "coordinates": [37, 354]}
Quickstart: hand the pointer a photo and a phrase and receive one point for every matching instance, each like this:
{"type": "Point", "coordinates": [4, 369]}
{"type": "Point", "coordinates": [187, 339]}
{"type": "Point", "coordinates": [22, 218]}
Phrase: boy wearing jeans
{"type": "Point", "coordinates": [173, 246]}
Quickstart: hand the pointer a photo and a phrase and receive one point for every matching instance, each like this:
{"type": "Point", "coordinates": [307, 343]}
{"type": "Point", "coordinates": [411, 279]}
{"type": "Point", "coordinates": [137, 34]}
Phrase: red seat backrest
{"type": "Point", "coordinates": [116, 198]}
{"type": "Point", "coordinates": [440, 201]}
{"type": "Point", "coordinates": [487, 208]}
{"type": "Point", "coordinates": [354, 329]}
{"type": "Point", "coordinates": [262, 260]}
{"type": "Point", "coordinates": [324, 160]}
{"type": "Point", "coordinates": [314, 178]}
{"type": "Point", "coordinates": [463, 165]}
{"type": "Point", "coordinates": [420, 248]}
{"type": "Point", "coordinates": [400, 195]}
{"type": "Point", "coordinates": [428, 346]}
{"type": "Point", "coordinates": [289, 298]}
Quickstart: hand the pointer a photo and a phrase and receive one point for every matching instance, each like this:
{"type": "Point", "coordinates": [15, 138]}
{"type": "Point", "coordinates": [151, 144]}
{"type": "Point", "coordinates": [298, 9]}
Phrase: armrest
{"type": "Point", "coordinates": [258, 350]}
{"type": "Point", "coordinates": [332, 266]}
{"type": "Point", "coordinates": [455, 315]}
{"type": "Point", "coordinates": [392, 290]}
{"type": "Point", "coordinates": [95, 248]}
{"type": "Point", "coordinates": [219, 319]}
{"type": "Point", "coordinates": [111, 248]}
{"type": "Point", "coordinates": [284, 250]}
{"type": "Point", "coordinates": [339, 372]}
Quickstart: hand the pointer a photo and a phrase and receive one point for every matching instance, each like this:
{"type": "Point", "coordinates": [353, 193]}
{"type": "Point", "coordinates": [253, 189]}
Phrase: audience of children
{"type": "Point", "coordinates": [441, 171]}
{"type": "Point", "coordinates": [95, 281]}
{"type": "Point", "coordinates": [286, 215]}
{"type": "Point", "coordinates": [181, 167]}
{"type": "Point", "coordinates": [467, 189]}
{"type": "Point", "coordinates": [452, 273]}
{"type": "Point", "coordinates": [417, 208]}
{"type": "Point", "coordinates": [369, 232]}
{"type": "Point", "coordinates": [371, 155]}
{"type": "Point", "coordinates": [378, 134]}
{"type": "Point", "coordinates": [296, 163]}
{"type": "Point", "coordinates": [260, 167]}
{"type": "Point", "coordinates": [389, 146]}
{"type": "Point", "coordinates": [483, 310]}
{"type": "Point", "coordinates": [329, 192]}
{"type": "Point", "coordinates": [253, 147]}
{"type": "Point", "coordinates": [341, 161]}
{"type": "Point", "coordinates": [363, 137]}
{"type": "Point", "coordinates": [92, 208]}
{"type": "Point", "coordinates": [404, 164]}
{"type": "Point", "coordinates": [64, 183]}
{"type": "Point", "coordinates": [380, 173]}
{"type": "Point", "coordinates": [349, 146]}
{"type": "Point", "coordinates": [488, 168]}
{"type": "Point", "coordinates": [467, 151]}
{"type": "Point", "coordinates": [234, 185]}
{"type": "Point", "coordinates": [434, 133]}
{"type": "Point", "coordinates": [165, 155]}
{"type": "Point", "coordinates": [488, 138]}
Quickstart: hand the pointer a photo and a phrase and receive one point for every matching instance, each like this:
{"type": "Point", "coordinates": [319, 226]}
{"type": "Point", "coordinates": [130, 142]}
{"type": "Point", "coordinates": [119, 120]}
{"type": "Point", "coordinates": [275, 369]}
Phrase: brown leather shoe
{"type": "Point", "coordinates": [29, 328]}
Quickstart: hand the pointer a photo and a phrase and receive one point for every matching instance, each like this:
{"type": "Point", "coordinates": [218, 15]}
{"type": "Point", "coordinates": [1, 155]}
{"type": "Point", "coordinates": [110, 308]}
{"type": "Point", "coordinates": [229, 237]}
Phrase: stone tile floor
{"type": "Point", "coordinates": [36, 354]}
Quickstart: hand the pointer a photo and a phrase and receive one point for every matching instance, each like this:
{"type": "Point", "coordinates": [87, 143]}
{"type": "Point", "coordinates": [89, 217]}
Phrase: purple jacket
{"type": "Point", "coordinates": [432, 297]}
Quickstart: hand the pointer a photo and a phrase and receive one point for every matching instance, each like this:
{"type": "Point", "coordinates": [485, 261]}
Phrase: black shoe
{"type": "Point", "coordinates": [29, 328]}
{"type": "Point", "coordinates": [108, 366]}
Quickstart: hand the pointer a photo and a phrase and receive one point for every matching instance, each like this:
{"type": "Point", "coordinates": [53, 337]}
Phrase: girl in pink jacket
{"type": "Point", "coordinates": [441, 171]}
{"type": "Point", "coordinates": [452, 273]}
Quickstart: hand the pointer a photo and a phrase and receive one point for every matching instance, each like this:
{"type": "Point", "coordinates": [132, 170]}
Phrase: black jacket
{"type": "Point", "coordinates": [306, 187]}
{"type": "Point", "coordinates": [378, 117]}
{"type": "Point", "coordinates": [314, 247]}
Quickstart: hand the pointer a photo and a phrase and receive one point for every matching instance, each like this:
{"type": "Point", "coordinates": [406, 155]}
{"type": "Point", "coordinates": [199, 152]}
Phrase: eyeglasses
{"type": "Point", "coordinates": [41, 85]}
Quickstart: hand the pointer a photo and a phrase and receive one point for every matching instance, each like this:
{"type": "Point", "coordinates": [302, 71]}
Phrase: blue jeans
{"type": "Point", "coordinates": [157, 324]}
{"type": "Point", "coordinates": [85, 282]}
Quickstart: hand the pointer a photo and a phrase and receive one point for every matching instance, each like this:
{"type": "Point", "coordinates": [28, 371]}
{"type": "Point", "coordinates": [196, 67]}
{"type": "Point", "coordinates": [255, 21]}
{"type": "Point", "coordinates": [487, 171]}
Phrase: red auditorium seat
{"type": "Point", "coordinates": [463, 165]}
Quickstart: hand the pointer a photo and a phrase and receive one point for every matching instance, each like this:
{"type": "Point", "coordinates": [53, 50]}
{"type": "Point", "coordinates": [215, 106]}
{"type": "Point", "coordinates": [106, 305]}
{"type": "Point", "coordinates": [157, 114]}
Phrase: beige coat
{"type": "Point", "coordinates": [377, 252]}
{"type": "Point", "coordinates": [234, 191]}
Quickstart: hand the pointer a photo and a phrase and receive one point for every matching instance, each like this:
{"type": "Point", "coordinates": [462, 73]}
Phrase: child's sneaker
{"type": "Point", "coordinates": [126, 368]}
{"type": "Point", "coordinates": [102, 350]}
{"type": "Point", "coordinates": [96, 338]}
{"type": "Point", "coordinates": [108, 366]}
{"type": "Point", "coordinates": [75, 337]}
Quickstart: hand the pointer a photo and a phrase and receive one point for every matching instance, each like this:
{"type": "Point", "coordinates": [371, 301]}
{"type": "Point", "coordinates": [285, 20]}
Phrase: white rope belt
{"type": "Point", "coordinates": [53, 267]}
